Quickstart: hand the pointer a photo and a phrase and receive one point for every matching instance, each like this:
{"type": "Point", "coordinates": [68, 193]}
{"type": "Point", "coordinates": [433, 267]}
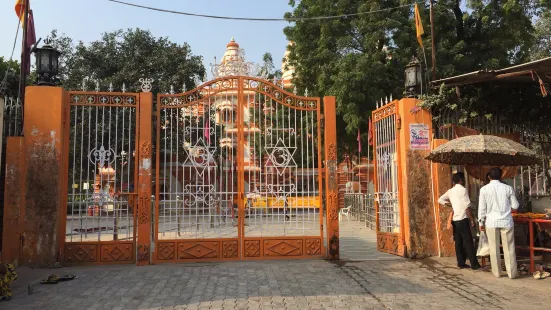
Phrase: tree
{"type": "Point", "coordinates": [125, 57]}
{"type": "Point", "coordinates": [481, 34]}
{"type": "Point", "coordinates": [361, 59]}
{"type": "Point", "coordinates": [267, 69]}
{"type": "Point", "coordinates": [9, 77]}
{"type": "Point", "coordinates": [542, 44]}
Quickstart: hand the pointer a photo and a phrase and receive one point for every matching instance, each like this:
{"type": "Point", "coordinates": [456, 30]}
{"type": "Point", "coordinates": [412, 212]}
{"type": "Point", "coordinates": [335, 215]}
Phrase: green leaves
{"type": "Point", "coordinates": [361, 59]}
{"type": "Point", "coordinates": [9, 69]}
{"type": "Point", "coordinates": [125, 57]}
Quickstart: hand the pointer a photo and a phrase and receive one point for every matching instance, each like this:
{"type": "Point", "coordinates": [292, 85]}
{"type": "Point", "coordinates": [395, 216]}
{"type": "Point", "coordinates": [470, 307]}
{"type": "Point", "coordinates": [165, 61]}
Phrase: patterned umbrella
{"type": "Point", "coordinates": [483, 150]}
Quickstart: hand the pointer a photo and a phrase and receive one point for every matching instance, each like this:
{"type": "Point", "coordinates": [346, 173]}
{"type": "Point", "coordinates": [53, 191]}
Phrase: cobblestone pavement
{"type": "Point", "coordinates": [313, 284]}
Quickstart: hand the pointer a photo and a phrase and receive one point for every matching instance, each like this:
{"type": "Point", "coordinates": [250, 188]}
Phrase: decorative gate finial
{"type": "Point", "coordinates": [146, 84]}
{"type": "Point", "coordinates": [84, 80]}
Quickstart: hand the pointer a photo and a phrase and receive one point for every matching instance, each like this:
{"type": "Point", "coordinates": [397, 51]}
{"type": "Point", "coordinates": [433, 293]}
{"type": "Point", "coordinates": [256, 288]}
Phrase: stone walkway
{"type": "Point", "coordinates": [312, 284]}
{"type": "Point", "coordinates": [359, 243]}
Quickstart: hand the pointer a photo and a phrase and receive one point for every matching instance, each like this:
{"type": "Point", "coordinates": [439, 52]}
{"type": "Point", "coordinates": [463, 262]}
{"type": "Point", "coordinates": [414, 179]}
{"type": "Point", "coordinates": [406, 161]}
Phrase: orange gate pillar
{"type": "Point", "coordinates": [144, 216]}
{"type": "Point", "coordinates": [43, 176]}
{"type": "Point", "coordinates": [14, 194]}
{"type": "Point", "coordinates": [416, 192]}
{"type": "Point", "coordinates": [331, 187]}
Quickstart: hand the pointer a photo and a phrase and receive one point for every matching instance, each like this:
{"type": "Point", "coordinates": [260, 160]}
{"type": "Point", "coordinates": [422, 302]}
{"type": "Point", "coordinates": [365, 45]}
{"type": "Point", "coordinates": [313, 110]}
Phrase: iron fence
{"type": "Point", "coordinates": [12, 119]}
{"type": "Point", "coordinates": [362, 208]}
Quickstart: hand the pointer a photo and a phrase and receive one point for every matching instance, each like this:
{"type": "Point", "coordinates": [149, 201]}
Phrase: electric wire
{"type": "Point", "coordinates": [290, 19]}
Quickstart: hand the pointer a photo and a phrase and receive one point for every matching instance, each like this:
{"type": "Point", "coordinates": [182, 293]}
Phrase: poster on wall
{"type": "Point", "coordinates": [419, 137]}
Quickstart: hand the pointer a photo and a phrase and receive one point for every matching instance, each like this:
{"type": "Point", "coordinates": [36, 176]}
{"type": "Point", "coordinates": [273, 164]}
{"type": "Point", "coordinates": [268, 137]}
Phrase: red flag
{"type": "Point", "coordinates": [370, 132]}
{"type": "Point", "coordinates": [31, 40]}
{"type": "Point", "coordinates": [359, 142]}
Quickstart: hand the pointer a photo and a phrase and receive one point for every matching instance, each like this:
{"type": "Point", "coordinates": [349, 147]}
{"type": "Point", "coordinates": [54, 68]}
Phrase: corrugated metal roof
{"type": "Point", "coordinates": [520, 73]}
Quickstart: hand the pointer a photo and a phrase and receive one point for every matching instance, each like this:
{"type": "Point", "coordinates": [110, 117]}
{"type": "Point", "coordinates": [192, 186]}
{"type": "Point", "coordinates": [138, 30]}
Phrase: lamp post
{"type": "Point", "coordinates": [413, 78]}
{"type": "Point", "coordinates": [47, 65]}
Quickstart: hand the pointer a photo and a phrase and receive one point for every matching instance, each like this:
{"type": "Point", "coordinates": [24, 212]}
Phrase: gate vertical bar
{"type": "Point", "coordinates": [331, 190]}
{"type": "Point", "coordinates": [65, 179]}
{"type": "Point", "coordinates": [144, 179]}
{"type": "Point", "coordinates": [240, 167]}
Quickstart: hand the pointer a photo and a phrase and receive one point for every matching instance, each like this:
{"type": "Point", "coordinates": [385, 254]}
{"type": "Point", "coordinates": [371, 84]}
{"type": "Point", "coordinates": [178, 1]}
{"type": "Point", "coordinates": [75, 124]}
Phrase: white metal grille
{"type": "Point", "coordinates": [201, 133]}
{"type": "Point", "coordinates": [197, 178]}
{"type": "Point", "coordinates": [102, 141]}
{"type": "Point", "coordinates": [281, 166]}
{"type": "Point", "coordinates": [387, 174]}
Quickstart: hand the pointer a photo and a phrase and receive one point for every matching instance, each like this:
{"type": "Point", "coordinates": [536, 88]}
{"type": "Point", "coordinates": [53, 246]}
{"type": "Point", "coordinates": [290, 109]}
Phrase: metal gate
{"type": "Point", "coordinates": [100, 143]}
{"type": "Point", "coordinates": [387, 179]}
{"type": "Point", "coordinates": [238, 173]}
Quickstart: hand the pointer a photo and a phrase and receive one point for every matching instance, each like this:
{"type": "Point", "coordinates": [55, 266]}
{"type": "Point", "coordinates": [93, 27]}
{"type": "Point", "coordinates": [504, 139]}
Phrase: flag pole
{"type": "Point", "coordinates": [24, 64]}
{"type": "Point", "coordinates": [433, 44]}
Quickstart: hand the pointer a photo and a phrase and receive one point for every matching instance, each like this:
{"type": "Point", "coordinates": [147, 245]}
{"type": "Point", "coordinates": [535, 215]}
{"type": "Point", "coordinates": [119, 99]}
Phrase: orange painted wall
{"type": "Point", "coordinates": [14, 212]}
{"type": "Point", "coordinates": [418, 221]}
{"type": "Point", "coordinates": [442, 182]}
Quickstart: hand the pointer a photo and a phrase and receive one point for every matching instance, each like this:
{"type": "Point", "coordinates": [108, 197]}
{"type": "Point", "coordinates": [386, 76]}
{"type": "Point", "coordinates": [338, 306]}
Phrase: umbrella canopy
{"type": "Point", "coordinates": [483, 150]}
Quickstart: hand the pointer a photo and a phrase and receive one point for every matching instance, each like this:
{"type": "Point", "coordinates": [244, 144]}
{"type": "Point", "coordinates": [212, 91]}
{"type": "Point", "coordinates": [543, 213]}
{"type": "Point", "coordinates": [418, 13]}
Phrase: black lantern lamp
{"type": "Point", "coordinates": [47, 64]}
{"type": "Point", "coordinates": [413, 78]}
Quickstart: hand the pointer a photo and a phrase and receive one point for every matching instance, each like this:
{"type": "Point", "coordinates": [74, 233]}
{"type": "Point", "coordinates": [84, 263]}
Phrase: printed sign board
{"type": "Point", "coordinates": [419, 137]}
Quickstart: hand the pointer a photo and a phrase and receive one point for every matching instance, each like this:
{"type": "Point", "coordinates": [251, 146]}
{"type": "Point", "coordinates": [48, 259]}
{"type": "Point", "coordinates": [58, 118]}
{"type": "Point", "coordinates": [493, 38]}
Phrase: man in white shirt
{"type": "Point", "coordinates": [497, 199]}
{"type": "Point", "coordinates": [461, 222]}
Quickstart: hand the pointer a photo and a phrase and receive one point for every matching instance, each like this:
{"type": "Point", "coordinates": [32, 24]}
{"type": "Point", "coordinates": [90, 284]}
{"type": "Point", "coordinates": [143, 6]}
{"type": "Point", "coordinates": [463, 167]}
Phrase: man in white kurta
{"type": "Point", "coordinates": [496, 202]}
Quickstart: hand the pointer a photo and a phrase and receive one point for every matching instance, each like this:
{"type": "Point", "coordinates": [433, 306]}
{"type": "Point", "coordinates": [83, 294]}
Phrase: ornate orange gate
{"type": "Point", "coordinates": [101, 131]}
{"type": "Point", "coordinates": [238, 173]}
{"type": "Point", "coordinates": [387, 179]}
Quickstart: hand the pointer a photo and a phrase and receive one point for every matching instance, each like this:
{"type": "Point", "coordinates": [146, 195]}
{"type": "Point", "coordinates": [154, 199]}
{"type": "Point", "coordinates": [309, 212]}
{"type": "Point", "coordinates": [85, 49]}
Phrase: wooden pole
{"type": "Point", "coordinates": [24, 52]}
{"type": "Point", "coordinates": [432, 41]}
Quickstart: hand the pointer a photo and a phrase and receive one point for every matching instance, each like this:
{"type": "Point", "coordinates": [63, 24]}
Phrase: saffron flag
{"type": "Point", "coordinates": [20, 10]}
{"type": "Point", "coordinates": [359, 142]}
{"type": "Point", "coordinates": [418, 25]}
{"type": "Point", "coordinates": [370, 132]}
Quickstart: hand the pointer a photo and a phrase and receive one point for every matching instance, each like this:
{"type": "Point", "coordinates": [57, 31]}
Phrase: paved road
{"type": "Point", "coordinates": [313, 284]}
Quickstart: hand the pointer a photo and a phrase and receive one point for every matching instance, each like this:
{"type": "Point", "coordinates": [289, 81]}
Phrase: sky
{"type": "Point", "coordinates": [86, 20]}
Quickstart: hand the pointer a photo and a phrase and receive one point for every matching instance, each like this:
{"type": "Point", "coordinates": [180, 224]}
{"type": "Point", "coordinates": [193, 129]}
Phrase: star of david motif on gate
{"type": "Point", "coordinates": [200, 156]}
{"type": "Point", "coordinates": [281, 156]}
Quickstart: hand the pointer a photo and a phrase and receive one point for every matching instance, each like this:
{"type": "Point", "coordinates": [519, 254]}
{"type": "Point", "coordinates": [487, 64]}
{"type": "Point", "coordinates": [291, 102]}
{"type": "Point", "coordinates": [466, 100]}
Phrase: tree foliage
{"type": "Point", "coordinates": [361, 59]}
{"type": "Point", "coordinates": [542, 44]}
{"type": "Point", "coordinates": [9, 77]}
{"type": "Point", "coordinates": [125, 57]}
{"type": "Point", "coordinates": [267, 68]}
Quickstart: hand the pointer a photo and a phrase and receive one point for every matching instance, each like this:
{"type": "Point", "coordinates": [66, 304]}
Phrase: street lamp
{"type": "Point", "coordinates": [47, 64]}
{"type": "Point", "coordinates": [413, 78]}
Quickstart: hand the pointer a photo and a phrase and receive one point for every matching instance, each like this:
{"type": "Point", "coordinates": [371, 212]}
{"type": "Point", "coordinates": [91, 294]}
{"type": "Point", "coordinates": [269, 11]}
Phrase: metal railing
{"type": "Point", "coordinates": [12, 116]}
{"type": "Point", "coordinates": [362, 208]}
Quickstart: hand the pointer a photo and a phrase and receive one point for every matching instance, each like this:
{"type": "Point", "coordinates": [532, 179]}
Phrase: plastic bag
{"type": "Point", "coordinates": [483, 245]}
